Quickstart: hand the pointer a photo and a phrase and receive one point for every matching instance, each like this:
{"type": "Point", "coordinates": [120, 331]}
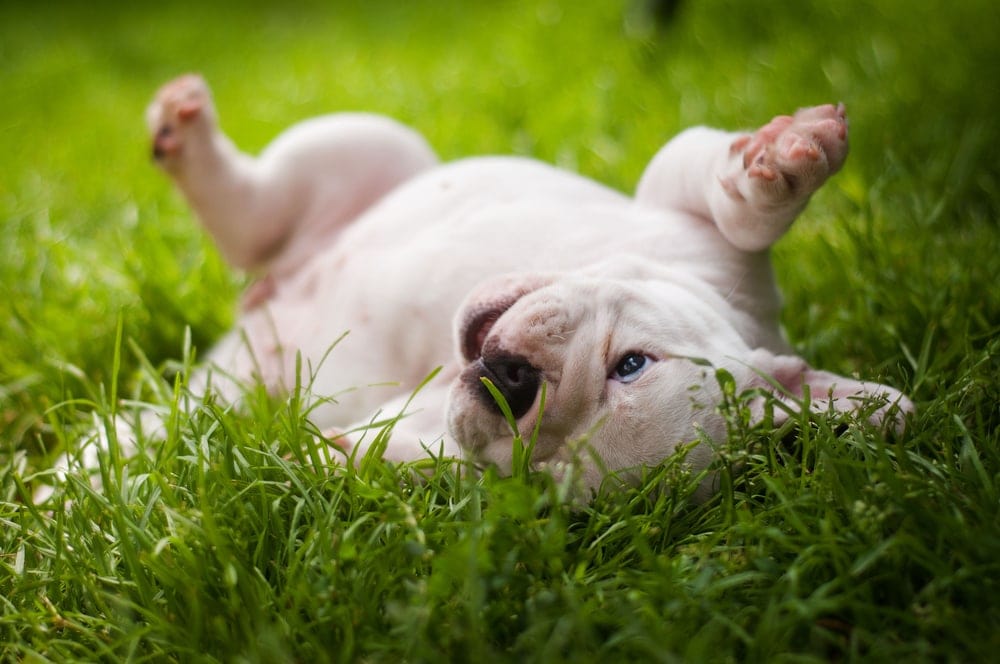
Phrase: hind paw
{"type": "Point", "coordinates": [178, 103]}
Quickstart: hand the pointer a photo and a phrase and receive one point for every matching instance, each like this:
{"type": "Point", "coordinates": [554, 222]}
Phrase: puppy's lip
{"type": "Point", "coordinates": [477, 325]}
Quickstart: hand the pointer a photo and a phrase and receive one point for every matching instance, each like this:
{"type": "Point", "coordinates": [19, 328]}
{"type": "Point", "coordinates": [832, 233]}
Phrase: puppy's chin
{"type": "Point", "coordinates": [483, 432]}
{"type": "Point", "coordinates": [471, 422]}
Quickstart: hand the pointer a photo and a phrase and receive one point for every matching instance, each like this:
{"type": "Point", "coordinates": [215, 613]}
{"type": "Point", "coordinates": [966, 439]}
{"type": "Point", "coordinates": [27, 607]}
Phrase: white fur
{"type": "Point", "coordinates": [355, 228]}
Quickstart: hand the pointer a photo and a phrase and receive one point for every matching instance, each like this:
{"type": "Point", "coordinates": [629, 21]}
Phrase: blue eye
{"type": "Point", "coordinates": [630, 367]}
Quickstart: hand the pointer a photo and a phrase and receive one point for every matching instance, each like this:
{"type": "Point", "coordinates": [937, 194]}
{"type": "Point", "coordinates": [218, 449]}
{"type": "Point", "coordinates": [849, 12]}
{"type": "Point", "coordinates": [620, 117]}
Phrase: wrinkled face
{"type": "Point", "coordinates": [613, 355]}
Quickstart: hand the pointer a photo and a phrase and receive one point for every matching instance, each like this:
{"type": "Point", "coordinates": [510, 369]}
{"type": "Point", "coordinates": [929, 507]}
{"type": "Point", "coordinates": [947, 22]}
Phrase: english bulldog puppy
{"type": "Point", "coordinates": [378, 265]}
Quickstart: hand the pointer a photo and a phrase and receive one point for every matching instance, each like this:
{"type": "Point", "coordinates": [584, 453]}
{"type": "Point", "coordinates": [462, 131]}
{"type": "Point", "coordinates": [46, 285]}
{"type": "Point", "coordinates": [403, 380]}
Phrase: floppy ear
{"type": "Point", "coordinates": [792, 375]}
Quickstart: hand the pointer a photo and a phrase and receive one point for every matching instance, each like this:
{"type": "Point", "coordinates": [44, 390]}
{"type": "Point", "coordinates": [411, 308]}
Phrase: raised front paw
{"type": "Point", "coordinates": [791, 156]}
{"type": "Point", "coordinates": [176, 106]}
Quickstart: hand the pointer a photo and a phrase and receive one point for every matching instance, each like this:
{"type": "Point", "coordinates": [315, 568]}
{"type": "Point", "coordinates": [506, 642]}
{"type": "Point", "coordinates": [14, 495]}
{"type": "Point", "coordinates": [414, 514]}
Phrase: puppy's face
{"type": "Point", "coordinates": [627, 359]}
{"type": "Point", "coordinates": [615, 356]}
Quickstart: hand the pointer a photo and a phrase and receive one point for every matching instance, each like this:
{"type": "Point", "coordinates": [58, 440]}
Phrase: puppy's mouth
{"type": "Point", "coordinates": [478, 322]}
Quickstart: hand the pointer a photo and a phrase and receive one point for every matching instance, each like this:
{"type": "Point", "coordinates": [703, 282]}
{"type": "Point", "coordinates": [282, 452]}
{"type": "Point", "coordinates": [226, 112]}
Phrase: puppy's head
{"type": "Point", "coordinates": [627, 361]}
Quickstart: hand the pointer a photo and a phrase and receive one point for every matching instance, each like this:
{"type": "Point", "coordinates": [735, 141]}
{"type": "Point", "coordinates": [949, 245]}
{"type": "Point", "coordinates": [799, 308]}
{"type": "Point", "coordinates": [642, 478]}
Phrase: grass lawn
{"type": "Point", "coordinates": [236, 540]}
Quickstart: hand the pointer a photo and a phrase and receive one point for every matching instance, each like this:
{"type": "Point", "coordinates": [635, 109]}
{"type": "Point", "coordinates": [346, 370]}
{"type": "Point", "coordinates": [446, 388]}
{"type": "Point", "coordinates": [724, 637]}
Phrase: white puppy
{"type": "Point", "coordinates": [510, 270]}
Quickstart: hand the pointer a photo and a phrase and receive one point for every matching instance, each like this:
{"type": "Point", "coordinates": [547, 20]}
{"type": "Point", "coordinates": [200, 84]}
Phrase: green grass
{"type": "Point", "coordinates": [237, 539]}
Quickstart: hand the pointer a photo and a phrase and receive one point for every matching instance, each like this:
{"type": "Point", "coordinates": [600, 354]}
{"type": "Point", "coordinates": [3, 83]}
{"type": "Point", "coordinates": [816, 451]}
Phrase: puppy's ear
{"type": "Point", "coordinates": [486, 302]}
{"type": "Point", "coordinates": [885, 404]}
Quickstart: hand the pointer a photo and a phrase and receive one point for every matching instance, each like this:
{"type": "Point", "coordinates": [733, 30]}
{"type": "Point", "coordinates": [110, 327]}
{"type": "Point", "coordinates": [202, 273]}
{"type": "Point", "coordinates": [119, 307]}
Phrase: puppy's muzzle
{"type": "Point", "coordinates": [512, 375]}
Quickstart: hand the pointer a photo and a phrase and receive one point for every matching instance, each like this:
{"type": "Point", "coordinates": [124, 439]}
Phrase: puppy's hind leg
{"type": "Point", "coordinates": [271, 213]}
{"type": "Point", "coordinates": [752, 186]}
{"type": "Point", "coordinates": [222, 184]}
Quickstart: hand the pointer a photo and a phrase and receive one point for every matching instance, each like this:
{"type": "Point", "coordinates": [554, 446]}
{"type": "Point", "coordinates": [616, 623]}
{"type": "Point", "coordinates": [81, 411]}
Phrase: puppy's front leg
{"type": "Point", "coordinates": [752, 186]}
{"type": "Point", "coordinates": [418, 428]}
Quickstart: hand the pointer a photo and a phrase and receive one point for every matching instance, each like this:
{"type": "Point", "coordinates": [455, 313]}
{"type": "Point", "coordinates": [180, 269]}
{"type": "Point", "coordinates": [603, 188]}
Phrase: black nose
{"type": "Point", "coordinates": [516, 379]}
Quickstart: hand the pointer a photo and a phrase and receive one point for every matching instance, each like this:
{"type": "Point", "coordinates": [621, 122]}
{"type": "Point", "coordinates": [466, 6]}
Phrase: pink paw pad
{"type": "Point", "coordinates": [178, 102]}
{"type": "Point", "coordinates": [805, 148]}
{"type": "Point", "coordinates": [183, 97]}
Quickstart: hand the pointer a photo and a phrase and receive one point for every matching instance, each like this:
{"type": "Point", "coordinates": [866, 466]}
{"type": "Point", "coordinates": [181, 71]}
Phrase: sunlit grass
{"type": "Point", "coordinates": [238, 538]}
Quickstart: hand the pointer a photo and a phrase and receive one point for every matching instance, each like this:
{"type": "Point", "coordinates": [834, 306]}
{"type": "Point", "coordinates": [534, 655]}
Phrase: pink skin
{"type": "Point", "coordinates": [783, 145]}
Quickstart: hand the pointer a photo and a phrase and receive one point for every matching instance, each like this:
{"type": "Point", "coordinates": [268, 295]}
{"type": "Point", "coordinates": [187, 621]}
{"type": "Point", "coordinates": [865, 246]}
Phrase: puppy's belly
{"type": "Point", "coordinates": [396, 279]}
{"type": "Point", "coordinates": [487, 216]}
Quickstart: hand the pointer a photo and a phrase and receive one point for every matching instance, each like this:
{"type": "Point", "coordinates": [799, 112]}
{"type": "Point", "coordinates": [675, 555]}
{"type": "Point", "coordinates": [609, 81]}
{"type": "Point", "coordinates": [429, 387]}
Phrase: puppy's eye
{"type": "Point", "coordinates": [630, 367]}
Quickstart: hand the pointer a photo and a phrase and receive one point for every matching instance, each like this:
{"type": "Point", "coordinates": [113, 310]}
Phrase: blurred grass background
{"type": "Point", "coordinates": [892, 271]}
{"type": "Point", "coordinates": [91, 228]}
